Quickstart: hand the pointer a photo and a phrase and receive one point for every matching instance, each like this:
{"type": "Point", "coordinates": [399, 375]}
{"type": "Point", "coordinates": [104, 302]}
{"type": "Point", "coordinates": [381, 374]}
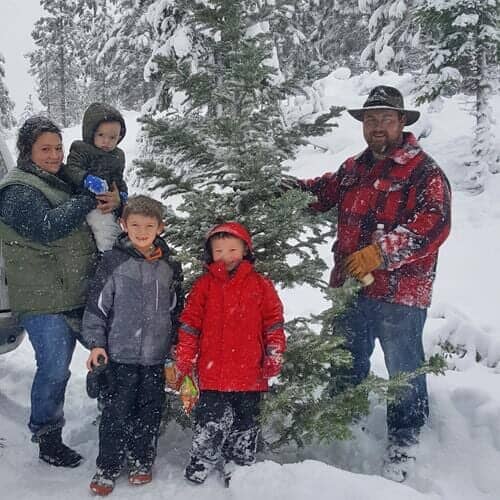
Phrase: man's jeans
{"type": "Point", "coordinates": [399, 330]}
{"type": "Point", "coordinates": [53, 342]}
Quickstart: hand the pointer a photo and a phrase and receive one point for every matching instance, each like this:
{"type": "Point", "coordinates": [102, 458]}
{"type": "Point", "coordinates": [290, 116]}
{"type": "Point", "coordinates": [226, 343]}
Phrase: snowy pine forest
{"type": "Point", "coordinates": [128, 52]}
{"type": "Point", "coordinates": [224, 98]}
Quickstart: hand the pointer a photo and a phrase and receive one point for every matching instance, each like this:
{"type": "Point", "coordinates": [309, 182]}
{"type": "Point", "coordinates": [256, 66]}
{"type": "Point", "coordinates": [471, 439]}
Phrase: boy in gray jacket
{"type": "Point", "coordinates": [129, 321]}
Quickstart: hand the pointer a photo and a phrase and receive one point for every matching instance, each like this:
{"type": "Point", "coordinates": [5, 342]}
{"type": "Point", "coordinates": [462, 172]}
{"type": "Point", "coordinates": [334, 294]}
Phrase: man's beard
{"type": "Point", "coordinates": [381, 145]}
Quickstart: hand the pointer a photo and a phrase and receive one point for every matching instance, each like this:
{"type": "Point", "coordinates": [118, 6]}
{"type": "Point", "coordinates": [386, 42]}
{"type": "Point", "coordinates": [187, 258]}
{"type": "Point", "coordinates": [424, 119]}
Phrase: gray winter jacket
{"type": "Point", "coordinates": [133, 304]}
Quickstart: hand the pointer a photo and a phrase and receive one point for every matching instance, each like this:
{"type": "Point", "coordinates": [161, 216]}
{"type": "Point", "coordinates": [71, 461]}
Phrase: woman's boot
{"type": "Point", "coordinates": [55, 452]}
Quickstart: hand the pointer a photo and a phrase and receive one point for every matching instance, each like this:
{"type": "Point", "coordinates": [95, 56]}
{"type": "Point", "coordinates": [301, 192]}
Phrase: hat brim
{"type": "Point", "coordinates": [411, 115]}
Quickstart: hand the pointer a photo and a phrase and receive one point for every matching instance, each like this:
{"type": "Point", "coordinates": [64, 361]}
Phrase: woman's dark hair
{"type": "Point", "coordinates": [30, 131]}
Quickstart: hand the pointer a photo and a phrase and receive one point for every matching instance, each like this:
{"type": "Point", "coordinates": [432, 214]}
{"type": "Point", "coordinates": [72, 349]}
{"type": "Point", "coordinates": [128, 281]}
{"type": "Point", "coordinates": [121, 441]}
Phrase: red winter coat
{"type": "Point", "coordinates": [228, 326]}
{"type": "Point", "coordinates": [407, 193]}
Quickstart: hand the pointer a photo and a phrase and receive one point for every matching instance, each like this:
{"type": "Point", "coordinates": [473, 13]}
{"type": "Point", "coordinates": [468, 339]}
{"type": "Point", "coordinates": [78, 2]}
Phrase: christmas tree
{"type": "Point", "coordinates": [224, 147]}
{"type": "Point", "coordinates": [220, 148]}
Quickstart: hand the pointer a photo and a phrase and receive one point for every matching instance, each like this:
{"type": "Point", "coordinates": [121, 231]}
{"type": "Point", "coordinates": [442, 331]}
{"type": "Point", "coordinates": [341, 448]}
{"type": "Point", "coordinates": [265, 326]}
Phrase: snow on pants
{"type": "Point", "coordinates": [226, 427]}
{"type": "Point", "coordinates": [399, 330]}
{"type": "Point", "coordinates": [131, 417]}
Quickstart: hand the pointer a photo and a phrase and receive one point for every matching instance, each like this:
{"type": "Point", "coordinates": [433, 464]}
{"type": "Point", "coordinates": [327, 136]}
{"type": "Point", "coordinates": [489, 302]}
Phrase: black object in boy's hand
{"type": "Point", "coordinates": [99, 379]}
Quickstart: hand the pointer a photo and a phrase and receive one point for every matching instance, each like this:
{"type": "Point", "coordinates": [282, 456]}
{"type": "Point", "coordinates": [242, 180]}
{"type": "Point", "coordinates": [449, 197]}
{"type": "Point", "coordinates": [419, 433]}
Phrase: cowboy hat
{"type": "Point", "coordinates": [385, 97]}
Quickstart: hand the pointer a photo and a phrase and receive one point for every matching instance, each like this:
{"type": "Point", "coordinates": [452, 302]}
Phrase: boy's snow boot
{"type": "Point", "coordinates": [139, 475]}
{"type": "Point", "coordinates": [55, 452]}
{"type": "Point", "coordinates": [398, 461]}
{"type": "Point", "coordinates": [241, 446]}
{"type": "Point", "coordinates": [196, 471]}
{"type": "Point", "coordinates": [102, 483]}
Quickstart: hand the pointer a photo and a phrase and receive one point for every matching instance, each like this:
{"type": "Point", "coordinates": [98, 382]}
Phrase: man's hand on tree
{"type": "Point", "coordinates": [289, 182]}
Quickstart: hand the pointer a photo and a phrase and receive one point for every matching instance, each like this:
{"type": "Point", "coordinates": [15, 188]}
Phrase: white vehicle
{"type": "Point", "coordinates": [6, 162]}
{"type": "Point", "coordinates": [11, 334]}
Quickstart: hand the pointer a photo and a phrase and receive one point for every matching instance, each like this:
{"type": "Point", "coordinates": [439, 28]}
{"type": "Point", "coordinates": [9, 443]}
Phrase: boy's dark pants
{"type": "Point", "coordinates": [226, 427]}
{"type": "Point", "coordinates": [131, 417]}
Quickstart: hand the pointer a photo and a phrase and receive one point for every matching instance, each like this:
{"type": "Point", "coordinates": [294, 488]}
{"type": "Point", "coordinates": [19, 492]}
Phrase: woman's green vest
{"type": "Point", "coordinates": [51, 277]}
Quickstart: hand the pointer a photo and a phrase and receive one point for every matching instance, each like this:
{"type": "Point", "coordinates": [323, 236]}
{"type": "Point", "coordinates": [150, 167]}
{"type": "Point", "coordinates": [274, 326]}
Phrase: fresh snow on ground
{"type": "Point", "coordinates": [459, 454]}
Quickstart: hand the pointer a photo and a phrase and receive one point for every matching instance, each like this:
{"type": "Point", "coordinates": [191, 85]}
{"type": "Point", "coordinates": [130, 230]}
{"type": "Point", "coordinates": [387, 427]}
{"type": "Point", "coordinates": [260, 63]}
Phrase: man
{"type": "Point", "coordinates": [396, 186]}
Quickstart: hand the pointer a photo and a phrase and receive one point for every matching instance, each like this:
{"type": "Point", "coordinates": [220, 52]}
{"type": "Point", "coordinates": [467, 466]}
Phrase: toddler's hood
{"type": "Point", "coordinates": [96, 113]}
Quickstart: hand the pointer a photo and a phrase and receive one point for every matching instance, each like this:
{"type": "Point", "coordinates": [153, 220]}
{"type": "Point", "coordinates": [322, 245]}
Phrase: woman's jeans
{"type": "Point", "coordinates": [54, 342]}
{"type": "Point", "coordinates": [399, 330]}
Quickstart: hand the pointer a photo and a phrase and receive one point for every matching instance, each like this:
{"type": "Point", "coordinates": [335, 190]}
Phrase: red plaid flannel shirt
{"type": "Point", "coordinates": [406, 192]}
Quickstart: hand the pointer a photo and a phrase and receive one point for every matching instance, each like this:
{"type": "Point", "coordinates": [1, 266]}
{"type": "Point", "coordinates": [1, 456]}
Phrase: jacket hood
{"type": "Point", "coordinates": [235, 229]}
{"type": "Point", "coordinates": [97, 113]}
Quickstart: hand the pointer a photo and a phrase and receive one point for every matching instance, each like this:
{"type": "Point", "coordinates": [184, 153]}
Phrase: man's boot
{"type": "Point", "coordinates": [398, 462]}
{"type": "Point", "coordinates": [55, 452]}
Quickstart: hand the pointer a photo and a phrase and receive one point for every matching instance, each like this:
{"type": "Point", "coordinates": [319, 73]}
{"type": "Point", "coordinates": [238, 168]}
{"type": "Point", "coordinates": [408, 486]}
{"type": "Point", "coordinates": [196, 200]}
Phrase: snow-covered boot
{"type": "Point", "coordinates": [398, 462]}
{"type": "Point", "coordinates": [139, 474]}
{"type": "Point", "coordinates": [103, 483]}
{"type": "Point", "coordinates": [241, 446]}
{"type": "Point", "coordinates": [196, 470]}
{"type": "Point", "coordinates": [55, 452]}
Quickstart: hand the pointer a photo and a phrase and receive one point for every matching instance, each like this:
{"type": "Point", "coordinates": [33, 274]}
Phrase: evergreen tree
{"type": "Point", "coordinates": [293, 24]}
{"type": "Point", "coordinates": [94, 22]}
{"type": "Point", "coordinates": [312, 37]}
{"type": "Point", "coordinates": [464, 45]}
{"type": "Point", "coordinates": [219, 145]}
{"type": "Point", "coordinates": [125, 51]}
{"type": "Point", "coordinates": [7, 119]}
{"type": "Point", "coordinates": [172, 39]}
{"type": "Point", "coordinates": [224, 148]}
{"type": "Point", "coordinates": [29, 109]}
{"type": "Point", "coordinates": [56, 63]}
{"type": "Point", "coordinates": [226, 143]}
{"type": "Point", "coordinates": [393, 34]}
{"type": "Point", "coordinates": [341, 34]}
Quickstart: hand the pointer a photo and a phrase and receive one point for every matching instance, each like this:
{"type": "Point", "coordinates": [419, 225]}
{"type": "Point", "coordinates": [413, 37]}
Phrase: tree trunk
{"type": "Point", "coordinates": [482, 150]}
{"type": "Point", "coordinates": [62, 75]}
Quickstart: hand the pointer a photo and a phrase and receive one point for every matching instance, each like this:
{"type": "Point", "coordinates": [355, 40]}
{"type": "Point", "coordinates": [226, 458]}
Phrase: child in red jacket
{"type": "Point", "coordinates": [232, 336]}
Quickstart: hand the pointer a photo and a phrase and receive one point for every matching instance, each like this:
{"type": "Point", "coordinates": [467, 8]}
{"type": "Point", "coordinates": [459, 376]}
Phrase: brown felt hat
{"type": "Point", "coordinates": [384, 97]}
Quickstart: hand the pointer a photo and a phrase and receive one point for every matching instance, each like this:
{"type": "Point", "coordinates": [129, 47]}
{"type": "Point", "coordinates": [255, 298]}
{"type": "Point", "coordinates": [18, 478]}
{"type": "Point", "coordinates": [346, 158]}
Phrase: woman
{"type": "Point", "coordinates": [49, 254]}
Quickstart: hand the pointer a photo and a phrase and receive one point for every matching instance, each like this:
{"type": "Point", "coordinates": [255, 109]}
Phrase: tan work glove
{"type": "Point", "coordinates": [364, 261]}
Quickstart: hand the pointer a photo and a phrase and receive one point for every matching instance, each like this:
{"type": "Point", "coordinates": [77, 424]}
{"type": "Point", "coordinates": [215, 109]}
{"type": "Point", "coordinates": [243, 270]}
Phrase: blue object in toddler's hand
{"type": "Point", "coordinates": [95, 184]}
